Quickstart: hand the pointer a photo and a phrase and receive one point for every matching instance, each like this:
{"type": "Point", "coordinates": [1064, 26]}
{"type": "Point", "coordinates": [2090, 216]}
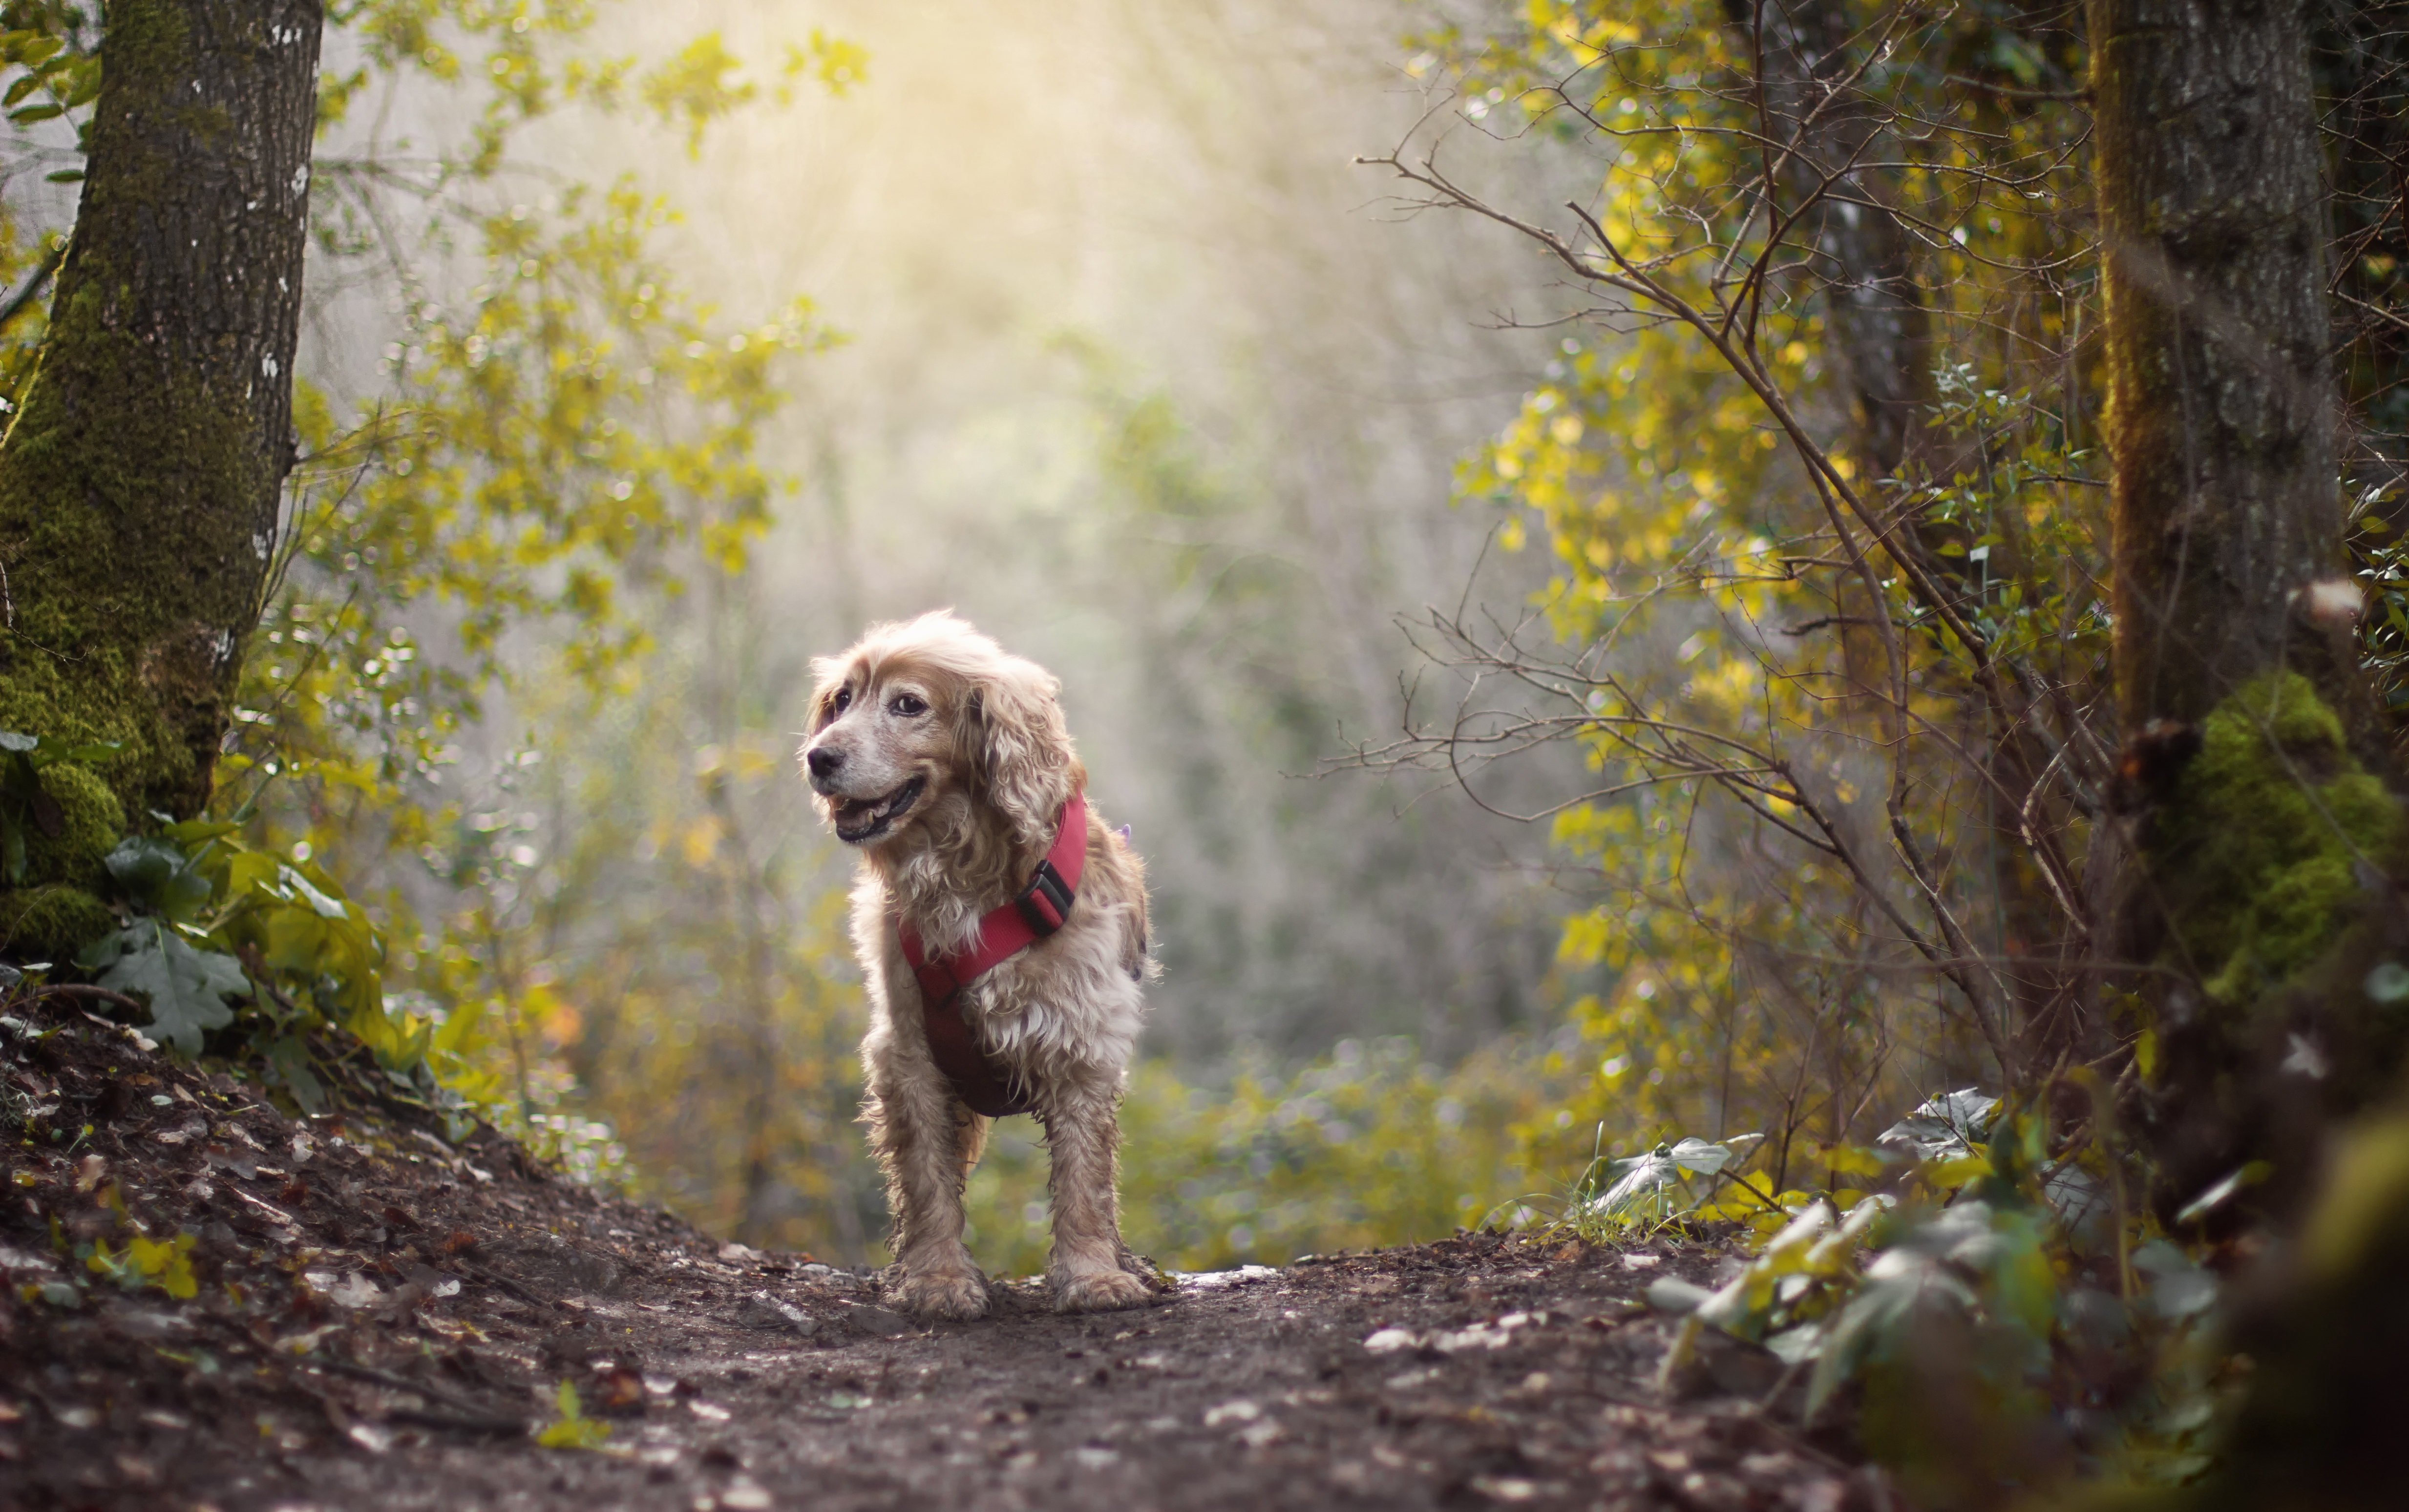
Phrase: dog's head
{"type": "Point", "coordinates": [928, 724]}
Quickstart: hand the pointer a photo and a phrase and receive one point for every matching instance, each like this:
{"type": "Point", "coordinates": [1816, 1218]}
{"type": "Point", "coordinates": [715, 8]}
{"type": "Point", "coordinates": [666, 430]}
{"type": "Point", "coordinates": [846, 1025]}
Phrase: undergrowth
{"type": "Point", "coordinates": [1987, 1305]}
{"type": "Point", "coordinates": [260, 965]}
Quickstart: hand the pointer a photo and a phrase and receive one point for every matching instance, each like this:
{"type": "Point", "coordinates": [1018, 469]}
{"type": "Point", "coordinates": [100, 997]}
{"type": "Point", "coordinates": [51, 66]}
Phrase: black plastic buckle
{"type": "Point", "coordinates": [1045, 904]}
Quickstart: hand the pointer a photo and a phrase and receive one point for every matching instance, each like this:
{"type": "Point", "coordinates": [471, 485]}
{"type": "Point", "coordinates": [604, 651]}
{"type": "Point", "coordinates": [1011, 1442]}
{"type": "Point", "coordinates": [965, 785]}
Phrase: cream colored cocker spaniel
{"type": "Point", "coordinates": [945, 762]}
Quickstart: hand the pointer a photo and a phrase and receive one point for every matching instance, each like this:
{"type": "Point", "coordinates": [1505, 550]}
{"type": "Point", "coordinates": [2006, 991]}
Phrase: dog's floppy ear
{"type": "Point", "coordinates": [829, 674]}
{"type": "Point", "coordinates": [1015, 740]}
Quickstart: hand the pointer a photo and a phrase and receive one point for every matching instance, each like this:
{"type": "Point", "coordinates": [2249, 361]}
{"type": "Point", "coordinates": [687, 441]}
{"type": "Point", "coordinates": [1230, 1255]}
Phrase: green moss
{"type": "Point", "coordinates": [135, 478]}
{"type": "Point", "coordinates": [95, 823]}
{"type": "Point", "coordinates": [113, 491]}
{"type": "Point", "coordinates": [2259, 852]}
{"type": "Point", "coordinates": [51, 923]}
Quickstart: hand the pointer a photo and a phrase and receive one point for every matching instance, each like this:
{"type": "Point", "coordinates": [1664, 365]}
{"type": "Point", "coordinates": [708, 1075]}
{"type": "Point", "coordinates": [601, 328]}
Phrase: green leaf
{"type": "Point", "coordinates": [32, 113]}
{"type": "Point", "coordinates": [193, 830]}
{"type": "Point", "coordinates": [1874, 1324]}
{"type": "Point", "coordinates": [1642, 1187]}
{"type": "Point", "coordinates": [158, 875]}
{"type": "Point", "coordinates": [2389, 984]}
{"type": "Point", "coordinates": [186, 988]}
{"type": "Point", "coordinates": [2222, 1191]}
{"type": "Point", "coordinates": [288, 1060]}
{"type": "Point", "coordinates": [2180, 1286]}
{"type": "Point", "coordinates": [323, 906]}
{"type": "Point", "coordinates": [1943, 1127]}
{"type": "Point", "coordinates": [1796, 1346]}
{"type": "Point", "coordinates": [1673, 1295]}
{"type": "Point", "coordinates": [36, 752]}
{"type": "Point", "coordinates": [295, 940]}
{"type": "Point", "coordinates": [574, 1431]}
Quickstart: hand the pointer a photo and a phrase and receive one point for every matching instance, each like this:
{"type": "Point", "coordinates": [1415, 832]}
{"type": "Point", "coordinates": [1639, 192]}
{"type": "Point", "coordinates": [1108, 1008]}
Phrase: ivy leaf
{"type": "Point", "coordinates": [186, 988]}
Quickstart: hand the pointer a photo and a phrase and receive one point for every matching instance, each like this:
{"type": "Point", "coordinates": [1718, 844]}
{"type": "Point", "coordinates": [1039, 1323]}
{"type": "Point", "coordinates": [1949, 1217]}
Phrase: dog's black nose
{"type": "Point", "coordinates": [823, 760]}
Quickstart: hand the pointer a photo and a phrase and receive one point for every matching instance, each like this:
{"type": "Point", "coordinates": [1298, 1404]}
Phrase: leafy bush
{"type": "Point", "coordinates": [1994, 1312]}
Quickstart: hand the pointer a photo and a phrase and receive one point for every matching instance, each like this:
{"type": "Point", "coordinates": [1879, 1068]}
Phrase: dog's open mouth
{"type": "Point", "coordinates": [869, 818]}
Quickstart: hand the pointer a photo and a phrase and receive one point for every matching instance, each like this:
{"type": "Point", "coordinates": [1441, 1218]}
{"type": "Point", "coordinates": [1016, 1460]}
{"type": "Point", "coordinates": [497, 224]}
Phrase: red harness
{"type": "Point", "coordinates": [1041, 909]}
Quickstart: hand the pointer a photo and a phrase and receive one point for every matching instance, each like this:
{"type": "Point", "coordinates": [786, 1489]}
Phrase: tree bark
{"type": "Point", "coordinates": [2221, 408]}
{"type": "Point", "coordinates": [139, 485]}
{"type": "Point", "coordinates": [2260, 840]}
{"type": "Point", "coordinates": [1880, 327]}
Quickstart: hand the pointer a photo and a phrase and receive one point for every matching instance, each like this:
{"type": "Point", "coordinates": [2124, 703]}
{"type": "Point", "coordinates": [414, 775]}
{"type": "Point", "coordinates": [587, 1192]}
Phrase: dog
{"type": "Point", "coordinates": [994, 988]}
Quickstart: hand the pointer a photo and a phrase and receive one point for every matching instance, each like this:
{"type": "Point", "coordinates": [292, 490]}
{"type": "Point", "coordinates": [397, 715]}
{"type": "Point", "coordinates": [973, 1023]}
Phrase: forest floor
{"type": "Point", "coordinates": [372, 1318]}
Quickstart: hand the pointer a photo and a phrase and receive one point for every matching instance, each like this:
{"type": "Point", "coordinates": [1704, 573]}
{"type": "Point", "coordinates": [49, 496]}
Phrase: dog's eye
{"type": "Point", "coordinates": [907, 705]}
{"type": "Point", "coordinates": [842, 700]}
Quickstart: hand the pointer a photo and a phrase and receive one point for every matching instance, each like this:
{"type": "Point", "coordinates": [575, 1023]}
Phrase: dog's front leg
{"type": "Point", "coordinates": [1082, 1132]}
{"type": "Point", "coordinates": [926, 1141]}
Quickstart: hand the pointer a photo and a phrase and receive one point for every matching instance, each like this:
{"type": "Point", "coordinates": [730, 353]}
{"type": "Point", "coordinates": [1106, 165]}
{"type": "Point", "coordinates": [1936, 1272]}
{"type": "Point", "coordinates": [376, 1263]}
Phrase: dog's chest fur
{"type": "Point", "coordinates": [1069, 1006]}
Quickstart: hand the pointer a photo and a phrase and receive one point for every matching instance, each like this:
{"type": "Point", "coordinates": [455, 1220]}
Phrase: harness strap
{"type": "Point", "coordinates": [1040, 909]}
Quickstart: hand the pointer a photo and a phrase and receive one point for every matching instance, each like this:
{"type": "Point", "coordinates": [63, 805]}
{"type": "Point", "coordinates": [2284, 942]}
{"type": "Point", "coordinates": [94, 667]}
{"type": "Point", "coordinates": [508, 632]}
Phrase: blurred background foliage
{"type": "Point", "coordinates": [1751, 750]}
{"type": "Point", "coordinates": [586, 477]}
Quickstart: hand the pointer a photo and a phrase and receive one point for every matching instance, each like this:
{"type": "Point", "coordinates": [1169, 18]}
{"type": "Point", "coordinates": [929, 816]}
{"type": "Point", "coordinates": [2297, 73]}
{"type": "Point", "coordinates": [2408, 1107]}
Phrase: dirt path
{"type": "Point", "coordinates": [380, 1320]}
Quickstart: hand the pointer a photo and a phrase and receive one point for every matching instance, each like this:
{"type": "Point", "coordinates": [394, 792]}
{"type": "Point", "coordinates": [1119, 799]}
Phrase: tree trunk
{"type": "Point", "coordinates": [2221, 412]}
{"type": "Point", "coordinates": [1878, 325]}
{"type": "Point", "coordinates": [2258, 899]}
{"type": "Point", "coordinates": [139, 485]}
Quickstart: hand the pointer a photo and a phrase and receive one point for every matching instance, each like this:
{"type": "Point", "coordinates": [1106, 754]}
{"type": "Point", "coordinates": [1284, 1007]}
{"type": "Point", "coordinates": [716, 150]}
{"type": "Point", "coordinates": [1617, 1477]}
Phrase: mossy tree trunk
{"type": "Point", "coordinates": [2257, 898]}
{"type": "Point", "coordinates": [139, 484]}
{"type": "Point", "coordinates": [2211, 209]}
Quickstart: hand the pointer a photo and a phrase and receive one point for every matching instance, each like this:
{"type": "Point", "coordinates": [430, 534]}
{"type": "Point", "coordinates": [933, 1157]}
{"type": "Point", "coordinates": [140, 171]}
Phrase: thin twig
{"type": "Point", "coordinates": [24, 298]}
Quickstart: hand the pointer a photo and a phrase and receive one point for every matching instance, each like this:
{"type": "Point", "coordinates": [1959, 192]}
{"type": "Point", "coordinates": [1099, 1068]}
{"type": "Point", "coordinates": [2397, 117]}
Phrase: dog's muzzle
{"type": "Point", "coordinates": [860, 820]}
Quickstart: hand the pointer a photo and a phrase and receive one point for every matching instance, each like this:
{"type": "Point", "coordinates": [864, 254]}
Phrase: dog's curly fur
{"type": "Point", "coordinates": [945, 761]}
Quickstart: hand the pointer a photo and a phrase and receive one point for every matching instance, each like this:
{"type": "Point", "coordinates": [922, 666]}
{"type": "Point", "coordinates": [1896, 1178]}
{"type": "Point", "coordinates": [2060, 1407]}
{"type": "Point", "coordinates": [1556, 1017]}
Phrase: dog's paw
{"type": "Point", "coordinates": [1103, 1291]}
{"type": "Point", "coordinates": [958, 1295]}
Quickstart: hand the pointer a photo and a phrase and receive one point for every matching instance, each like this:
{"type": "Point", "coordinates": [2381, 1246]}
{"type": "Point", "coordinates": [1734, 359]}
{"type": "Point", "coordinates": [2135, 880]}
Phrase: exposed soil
{"type": "Point", "coordinates": [380, 1320]}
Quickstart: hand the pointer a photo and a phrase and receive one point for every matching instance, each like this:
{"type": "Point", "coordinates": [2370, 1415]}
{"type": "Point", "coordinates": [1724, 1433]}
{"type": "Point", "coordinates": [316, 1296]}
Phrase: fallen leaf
{"type": "Point", "coordinates": [620, 1389]}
